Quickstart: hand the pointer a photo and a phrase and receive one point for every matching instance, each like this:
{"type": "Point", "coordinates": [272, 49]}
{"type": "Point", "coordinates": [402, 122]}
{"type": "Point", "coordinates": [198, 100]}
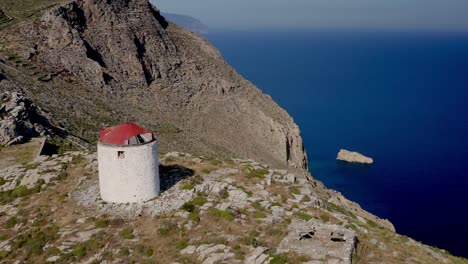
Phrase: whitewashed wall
{"type": "Point", "coordinates": [131, 178]}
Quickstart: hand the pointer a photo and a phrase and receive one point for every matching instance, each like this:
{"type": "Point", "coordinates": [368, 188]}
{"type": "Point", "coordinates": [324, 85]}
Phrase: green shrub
{"type": "Point", "coordinates": [181, 244]}
{"type": "Point", "coordinates": [3, 237]}
{"type": "Point", "coordinates": [259, 214]}
{"type": "Point", "coordinates": [144, 250]}
{"type": "Point", "coordinates": [257, 206]}
{"type": "Point", "coordinates": [53, 251]}
{"type": "Point", "coordinates": [2, 181]}
{"type": "Point", "coordinates": [221, 214]}
{"type": "Point", "coordinates": [304, 216]}
{"type": "Point", "coordinates": [101, 223]}
{"type": "Point", "coordinates": [77, 160]}
{"type": "Point", "coordinates": [83, 248]}
{"type": "Point", "coordinates": [39, 222]}
{"type": "Point", "coordinates": [188, 206]}
{"type": "Point", "coordinates": [284, 198]}
{"type": "Point", "coordinates": [194, 217]}
{"type": "Point", "coordinates": [79, 251]}
{"type": "Point", "coordinates": [351, 226]}
{"type": "Point", "coordinates": [224, 194]}
{"type": "Point", "coordinates": [251, 173]}
{"type": "Point", "coordinates": [35, 242]}
{"type": "Point", "coordinates": [10, 223]}
{"type": "Point", "coordinates": [279, 259]}
{"type": "Point", "coordinates": [166, 227]}
{"type": "Point", "coordinates": [247, 170]}
{"type": "Point", "coordinates": [197, 179]}
{"type": "Point", "coordinates": [325, 217]}
{"type": "Point", "coordinates": [124, 252]}
{"type": "Point", "coordinates": [20, 191]}
{"type": "Point", "coordinates": [127, 233]}
{"type": "Point", "coordinates": [199, 201]}
{"type": "Point", "coordinates": [250, 241]}
{"type": "Point", "coordinates": [188, 186]}
{"type": "Point", "coordinates": [294, 190]}
{"type": "Point", "coordinates": [260, 173]}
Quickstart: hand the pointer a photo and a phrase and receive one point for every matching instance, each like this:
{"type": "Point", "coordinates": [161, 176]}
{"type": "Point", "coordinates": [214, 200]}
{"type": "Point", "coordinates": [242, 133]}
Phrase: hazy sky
{"type": "Point", "coordinates": [406, 14]}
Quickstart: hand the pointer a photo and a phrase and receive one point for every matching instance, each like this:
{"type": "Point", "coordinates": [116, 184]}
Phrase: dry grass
{"type": "Point", "coordinates": [394, 249]}
{"type": "Point", "coordinates": [23, 154]}
{"type": "Point", "coordinates": [26, 8]}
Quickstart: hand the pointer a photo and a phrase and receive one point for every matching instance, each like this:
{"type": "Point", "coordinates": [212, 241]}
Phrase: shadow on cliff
{"type": "Point", "coordinates": [170, 175]}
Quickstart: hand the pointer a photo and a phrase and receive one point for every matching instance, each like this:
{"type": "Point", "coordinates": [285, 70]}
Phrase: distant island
{"type": "Point", "coordinates": [353, 157]}
{"type": "Point", "coordinates": [187, 22]}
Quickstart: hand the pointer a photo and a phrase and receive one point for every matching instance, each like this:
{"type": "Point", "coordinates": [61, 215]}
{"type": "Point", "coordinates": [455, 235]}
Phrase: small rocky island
{"type": "Point", "coordinates": [353, 157]}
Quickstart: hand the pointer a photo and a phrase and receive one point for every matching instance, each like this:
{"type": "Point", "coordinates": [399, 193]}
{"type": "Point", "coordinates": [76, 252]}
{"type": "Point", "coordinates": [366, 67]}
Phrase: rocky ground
{"type": "Point", "coordinates": [210, 211]}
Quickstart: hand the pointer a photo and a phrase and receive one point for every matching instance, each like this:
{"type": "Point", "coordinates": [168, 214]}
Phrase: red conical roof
{"type": "Point", "coordinates": [120, 134]}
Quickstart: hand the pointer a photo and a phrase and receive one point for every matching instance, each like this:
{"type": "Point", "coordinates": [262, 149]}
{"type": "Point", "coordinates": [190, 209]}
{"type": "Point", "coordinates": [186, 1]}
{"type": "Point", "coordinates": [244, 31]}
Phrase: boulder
{"type": "Point", "coordinates": [20, 120]}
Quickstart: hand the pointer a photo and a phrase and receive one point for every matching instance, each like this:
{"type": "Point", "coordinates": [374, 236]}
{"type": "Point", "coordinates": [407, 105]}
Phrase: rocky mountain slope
{"type": "Point", "coordinates": [210, 211]}
{"type": "Point", "coordinates": [94, 63]}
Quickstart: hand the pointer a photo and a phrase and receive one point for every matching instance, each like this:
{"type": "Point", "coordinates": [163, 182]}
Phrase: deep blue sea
{"type": "Point", "coordinates": [401, 98]}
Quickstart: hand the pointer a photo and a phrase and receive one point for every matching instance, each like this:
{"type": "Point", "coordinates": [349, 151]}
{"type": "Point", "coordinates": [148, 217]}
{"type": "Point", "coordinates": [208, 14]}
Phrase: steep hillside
{"type": "Point", "coordinates": [210, 211]}
{"type": "Point", "coordinates": [94, 63]}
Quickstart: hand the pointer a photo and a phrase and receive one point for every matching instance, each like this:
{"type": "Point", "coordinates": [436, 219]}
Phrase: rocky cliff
{"type": "Point", "coordinates": [94, 63]}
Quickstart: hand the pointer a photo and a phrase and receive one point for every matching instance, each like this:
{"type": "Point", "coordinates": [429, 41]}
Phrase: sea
{"type": "Point", "coordinates": [398, 97]}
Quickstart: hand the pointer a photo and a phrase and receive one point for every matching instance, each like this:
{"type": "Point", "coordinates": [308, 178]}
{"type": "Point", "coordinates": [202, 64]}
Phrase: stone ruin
{"type": "Point", "coordinates": [320, 241]}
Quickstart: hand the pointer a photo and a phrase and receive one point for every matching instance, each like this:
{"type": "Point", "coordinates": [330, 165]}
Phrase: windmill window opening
{"type": "Point", "coordinates": [121, 154]}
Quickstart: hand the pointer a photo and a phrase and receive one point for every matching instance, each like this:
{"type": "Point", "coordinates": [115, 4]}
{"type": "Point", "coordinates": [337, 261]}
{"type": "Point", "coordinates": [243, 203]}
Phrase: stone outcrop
{"type": "Point", "coordinates": [103, 62]}
{"type": "Point", "coordinates": [353, 157]}
{"type": "Point", "coordinates": [20, 120]}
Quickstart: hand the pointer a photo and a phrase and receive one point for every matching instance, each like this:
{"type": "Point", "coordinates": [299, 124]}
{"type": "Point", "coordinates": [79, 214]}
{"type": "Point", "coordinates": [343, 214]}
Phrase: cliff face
{"type": "Point", "coordinates": [100, 62]}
